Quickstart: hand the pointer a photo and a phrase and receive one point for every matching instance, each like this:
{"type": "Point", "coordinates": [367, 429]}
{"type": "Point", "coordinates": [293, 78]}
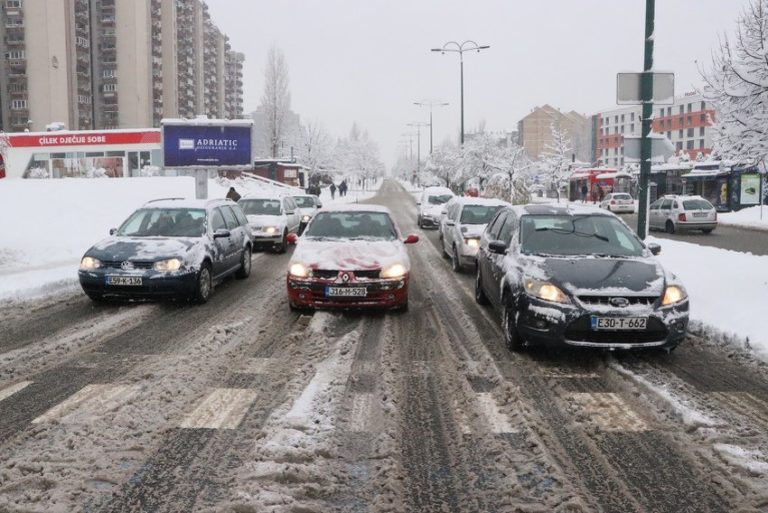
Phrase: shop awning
{"type": "Point", "coordinates": [706, 174]}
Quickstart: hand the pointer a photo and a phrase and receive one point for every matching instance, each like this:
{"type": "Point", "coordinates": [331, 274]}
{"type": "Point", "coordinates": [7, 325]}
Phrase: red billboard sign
{"type": "Point", "coordinates": [84, 138]}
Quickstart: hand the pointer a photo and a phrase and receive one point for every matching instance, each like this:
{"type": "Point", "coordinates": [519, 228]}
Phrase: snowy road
{"type": "Point", "coordinates": [241, 405]}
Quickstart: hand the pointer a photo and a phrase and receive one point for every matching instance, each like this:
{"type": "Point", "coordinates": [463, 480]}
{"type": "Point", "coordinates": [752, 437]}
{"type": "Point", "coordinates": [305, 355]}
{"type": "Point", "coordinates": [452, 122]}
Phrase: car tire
{"type": "Point", "coordinates": [455, 260]}
{"type": "Point", "coordinates": [418, 222]}
{"type": "Point", "coordinates": [509, 327]}
{"type": "Point", "coordinates": [245, 264]}
{"type": "Point", "coordinates": [283, 246]}
{"type": "Point", "coordinates": [480, 297]}
{"type": "Point", "coordinates": [443, 251]}
{"type": "Point", "coordinates": [203, 285]}
{"type": "Point", "coordinates": [669, 227]}
{"type": "Point", "coordinates": [707, 231]}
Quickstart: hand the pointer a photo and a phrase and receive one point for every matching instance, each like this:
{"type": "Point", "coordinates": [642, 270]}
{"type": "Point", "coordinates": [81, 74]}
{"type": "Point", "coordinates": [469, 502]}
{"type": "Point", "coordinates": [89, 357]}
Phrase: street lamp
{"type": "Point", "coordinates": [430, 104]}
{"type": "Point", "coordinates": [409, 135]}
{"type": "Point", "coordinates": [460, 48]}
{"type": "Point", "coordinates": [418, 125]}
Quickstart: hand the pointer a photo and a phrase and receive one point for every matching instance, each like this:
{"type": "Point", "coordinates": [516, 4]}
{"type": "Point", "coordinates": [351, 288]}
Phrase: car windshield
{"type": "Point", "coordinates": [478, 214]}
{"type": "Point", "coordinates": [304, 201]}
{"type": "Point", "coordinates": [164, 222]}
{"type": "Point", "coordinates": [352, 225]}
{"type": "Point", "coordinates": [439, 199]}
{"type": "Point", "coordinates": [260, 207]}
{"type": "Point", "coordinates": [697, 204]}
{"type": "Point", "coordinates": [577, 235]}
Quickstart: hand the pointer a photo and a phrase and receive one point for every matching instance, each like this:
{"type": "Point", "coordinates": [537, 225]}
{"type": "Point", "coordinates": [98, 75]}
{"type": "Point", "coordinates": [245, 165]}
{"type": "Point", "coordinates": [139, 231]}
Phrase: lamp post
{"type": "Point", "coordinates": [409, 135]}
{"type": "Point", "coordinates": [418, 125]}
{"type": "Point", "coordinates": [430, 104]}
{"type": "Point", "coordinates": [460, 48]}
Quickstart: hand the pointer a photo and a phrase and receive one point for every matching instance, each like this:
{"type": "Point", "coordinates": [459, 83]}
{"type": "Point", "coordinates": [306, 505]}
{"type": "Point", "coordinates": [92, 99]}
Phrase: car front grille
{"type": "Point", "coordinates": [117, 264]}
{"type": "Point", "coordinates": [327, 274]}
{"type": "Point", "coordinates": [606, 300]}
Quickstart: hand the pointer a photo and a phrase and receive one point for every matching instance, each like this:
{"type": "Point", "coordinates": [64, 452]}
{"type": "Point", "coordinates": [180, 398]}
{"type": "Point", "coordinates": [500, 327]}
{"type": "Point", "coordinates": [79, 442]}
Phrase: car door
{"type": "Point", "coordinates": [665, 212]}
{"type": "Point", "coordinates": [499, 269]}
{"type": "Point", "coordinates": [221, 246]}
{"type": "Point", "coordinates": [236, 238]}
{"type": "Point", "coordinates": [291, 215]}
{"type": "Point", "coordinates": [653, 214]}
{"type": "Point", "coordinates": [492, 270]}
{"type": "Point", "coordinates": [449, 228]}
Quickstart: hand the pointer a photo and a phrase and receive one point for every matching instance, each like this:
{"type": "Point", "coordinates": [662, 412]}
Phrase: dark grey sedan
{"type": "Point", "coordinates": [169, 248]}
{"type": "Point", "coordinates": [577, 277]}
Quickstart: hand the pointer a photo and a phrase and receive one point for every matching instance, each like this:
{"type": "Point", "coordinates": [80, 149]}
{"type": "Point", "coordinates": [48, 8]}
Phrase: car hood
{"type": "Point", "coordinates": [308, 211]}
{"type": "Point", "coordinates": [432, 210]}
{"type": "Point", "coordinates": [265, 220]}
{"type": "Point", "coordinates": [349, 255]}
{"type": "Point", "coordinates": [473, 230]}
{"type": "Point", "coordinates": [601, 275]}
{"type": "Point", "coordinates": [119, 249]}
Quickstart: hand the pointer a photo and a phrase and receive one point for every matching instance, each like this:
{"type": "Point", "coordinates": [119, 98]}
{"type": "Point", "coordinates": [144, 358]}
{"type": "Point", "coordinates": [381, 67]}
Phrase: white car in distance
{"type": "Point", "coordinates": [618, 202]}
{"type": "Point", "coordinates": [431, 204]}
{"type": "Point", "coordinates": [308, 205]}
{"type": "Point", "coordinates": [464, 222]}
{"type": "Point", "coordinates": [271, 219]}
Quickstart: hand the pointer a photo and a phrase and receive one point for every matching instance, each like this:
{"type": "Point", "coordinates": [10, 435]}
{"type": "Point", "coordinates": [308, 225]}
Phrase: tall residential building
{"type": "Point", "coordinates": [113, 64]}
{"type": "Point", "coordinates": [687, 124]}
{"type": "Point", "coordinates": [535, 131]}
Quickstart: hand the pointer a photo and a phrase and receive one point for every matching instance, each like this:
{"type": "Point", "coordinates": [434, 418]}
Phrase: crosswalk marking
{"type": "Point", "coordinates": [362, 409]}
{"type": "Point", "coordinates": [8, 391]}
{"type": "Point", "coordinates": [609, 411]}
{"type": "Point", "coordinates": [497, 420]}
{"type": "Point", "coordinates": [224, 408]}
{"type": "Point", "coordinates": [89, 403]}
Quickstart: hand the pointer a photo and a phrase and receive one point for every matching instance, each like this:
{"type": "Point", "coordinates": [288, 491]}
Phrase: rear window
{"type": "Point", "coordinates": [622, 196]}
{"type": "Point", "coordinates": [439, 199]}
{"type": "Point", "coordinates": [264, 207]}
{"type": "Point", "coordinates": [478, 214]}
{"type": "Point", "coordinates": [352, 225]}
{"type": "Point", "coordinates": [697, 204]}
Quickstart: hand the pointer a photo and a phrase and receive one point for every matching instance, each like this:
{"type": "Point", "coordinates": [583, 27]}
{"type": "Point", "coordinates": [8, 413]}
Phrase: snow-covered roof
{"type": "Point", "coordinates": [605, 176]}
{"type": "Point", "coordinates": [705, 173]}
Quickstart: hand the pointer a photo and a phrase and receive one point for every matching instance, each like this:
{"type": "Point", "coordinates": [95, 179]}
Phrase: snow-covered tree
{"type": "Point", "coordinates": [358, 156]}
{"type": "Point", "coordinates": [276, 98]}
{"type": "Point", "coordinates": [511, 175]}
{"type": "Point", "coordinates": [315, 148]}
{"type": "Point", "coordinates": [737, 86]}
{"type": "Point", "coordinates": [556, 159]}
{"type": "Point", "coordinates": [442, 166]}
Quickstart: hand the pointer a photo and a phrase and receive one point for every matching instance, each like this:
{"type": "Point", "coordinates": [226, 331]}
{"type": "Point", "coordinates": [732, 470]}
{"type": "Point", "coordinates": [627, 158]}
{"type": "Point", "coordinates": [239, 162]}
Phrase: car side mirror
{"type": "Point", "coordinates": [319, 205]}
{"type": "Point", "coordinates": [498, 247]}
{"type": "Point", "coordinates": [221, 233]}
{"type": "Point", "coordinates": [418, 203]}
{"type": "Point", "coordinates": [654, 248]}
{"type": "Point", "coordinates": [411, 239]}
{"type": "Point", "coordinates": [450, 223]}
{"type": "Point", "coordinates": [290, 212]}
{"type": "Point", "coordinates": [112, 231]}
{"type": "Point", "coordinates": [292, 238]}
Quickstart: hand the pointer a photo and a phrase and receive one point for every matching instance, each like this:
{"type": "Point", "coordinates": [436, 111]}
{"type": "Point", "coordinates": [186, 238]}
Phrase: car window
{"type": "Point", "coordinates": [352, 225]}
{"type": "Point", "coordinates": [217, 220]}
{"type": "Point", "coordinates": [495, 227]}
{"type": "Point", "coordinates": [438, 199]}
{"type": "Point", "coordinates": [304, 201]}
{"type": "Point", "coordinates": [453, 212]}
{"type": "Point", "coordinates": [666, 205]}
{"type": "Point", "coordinates": [260, 207]}
{"type": "Point", "coordinates": [239, 214]}
{"type": "Point", "coordinates": [655, 205]}
{"type": "Point", "coordinates": [478, 214]}
{"type": "Point", "coordinates": [508, 230]}
{"type": "Point", "coordinates": [697, 204]}
{"type": "Point", "coordinates": [621, 196]}
{"type": "Point", "coordinates": [164, 222]}
{"type": "Point", "coordinates": [577, 235]}
{"type": "Point", "coordinates": [229, 217]}
{"type": "Point", "coordinates": [675, 205]}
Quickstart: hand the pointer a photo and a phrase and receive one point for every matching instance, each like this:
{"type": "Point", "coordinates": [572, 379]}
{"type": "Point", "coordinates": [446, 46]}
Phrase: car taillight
{"type": "Point", "coordinates": [613, 202]}
{"type": "Point", "coordinates": [681, 217]}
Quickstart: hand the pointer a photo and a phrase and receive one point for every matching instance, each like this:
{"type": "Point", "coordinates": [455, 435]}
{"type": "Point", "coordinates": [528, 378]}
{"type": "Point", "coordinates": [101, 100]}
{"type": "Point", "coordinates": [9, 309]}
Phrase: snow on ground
{"type": "Point", "coordinates": [354, 195]}
{"type": "Point", "coordinates": [728, 289]}
{"type": "Point", "coordinates": [746, 218]}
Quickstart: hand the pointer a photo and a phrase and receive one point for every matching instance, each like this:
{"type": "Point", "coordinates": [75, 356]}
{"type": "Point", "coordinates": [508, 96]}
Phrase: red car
{"type": "Point", "coordinates": [350, 256]}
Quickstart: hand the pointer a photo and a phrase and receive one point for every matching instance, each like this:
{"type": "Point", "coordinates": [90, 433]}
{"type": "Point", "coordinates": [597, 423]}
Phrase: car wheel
{"type": "Point", "coordinates": [480, 297]}
{"type": "Point", "coordinates": [418, 222]}
{"type": "Point", "coordinates": [455, 260]}
{"type": "Point", "coordinates": [283, 246]}
{"type": "Point", "coordinates": [204, 285]}
{"type": "Point", "coordinates": [670, 227]}
{"type": "Point", "coordinates": [245, 264]}
{"type": "Point", "coordinates": [707, 231]}
{"type": "Point", "coordinates": [509, 327]}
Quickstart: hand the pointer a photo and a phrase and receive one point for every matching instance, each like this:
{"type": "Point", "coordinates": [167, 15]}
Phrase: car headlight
{"type": "Point", "coordinates": [545, 290]}
{"type": "Point", "coordinates": [171, 264]}
{"type": "Point", "coordinates": [300, 271]}
{"type": "Point", "coordinates": [305, 219]}
{"type": "Point", "coordinates": [270, 229]}
{"type": "Point", "coordinates": [393, 271]}
{"type": "Point", "coordinates": [472, 243]}
{"type": "Point", "coordinates": [674, 294]}
{"type": "Point", "coordinates": [90, 263]}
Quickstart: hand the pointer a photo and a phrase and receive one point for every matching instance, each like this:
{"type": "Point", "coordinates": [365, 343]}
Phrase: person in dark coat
{"type": "Point", "coordinates": [233, 195]}
{"type": "Point", "coordinates": [584, 192]}
{"type": "Point", "coordinates": [343, 188]}
{"type": "Point", "coordinates": [333, 190]}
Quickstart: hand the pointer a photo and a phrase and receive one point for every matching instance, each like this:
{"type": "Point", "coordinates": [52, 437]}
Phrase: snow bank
{"type": "Point", "coordinates": [747, 218]}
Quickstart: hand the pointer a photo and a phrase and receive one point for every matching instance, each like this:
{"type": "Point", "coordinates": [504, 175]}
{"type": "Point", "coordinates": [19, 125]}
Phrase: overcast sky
{"type": "Point", "coordinates": [369, 60]}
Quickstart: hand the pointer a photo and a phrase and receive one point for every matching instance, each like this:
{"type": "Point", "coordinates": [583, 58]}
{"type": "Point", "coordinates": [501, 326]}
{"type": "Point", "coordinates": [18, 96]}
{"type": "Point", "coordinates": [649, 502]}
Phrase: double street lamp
{"type": "Point", "coordinates": [430, 104]}
{"type": "Point", "coordinates": [460, 48]}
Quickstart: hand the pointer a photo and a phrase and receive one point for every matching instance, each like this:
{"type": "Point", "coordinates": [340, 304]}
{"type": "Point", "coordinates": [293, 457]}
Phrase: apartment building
{"type": "Point", "coordinates": [535, 131]}
{"type": "Point", "coordinates": [105, 64]}
{"type": "Point", "coordinates": [687, 124]}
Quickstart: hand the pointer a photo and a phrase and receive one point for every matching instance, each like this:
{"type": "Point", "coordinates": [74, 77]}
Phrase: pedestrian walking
{"type": "Point", "coordinates": [333, 190]}
{"type": "Point", "coordinates": [233, 195]}
{"type": "Point", "coordinates": [343, 188]}
{"type": "Point", "coordinates": [600, 193]}
{"type": "Point", "coordinates": [584, 192]}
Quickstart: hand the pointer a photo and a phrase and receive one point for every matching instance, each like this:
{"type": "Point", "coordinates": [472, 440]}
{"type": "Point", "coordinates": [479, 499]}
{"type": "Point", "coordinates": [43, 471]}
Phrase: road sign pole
{"type": "Point", "coordinates": [647, 97]}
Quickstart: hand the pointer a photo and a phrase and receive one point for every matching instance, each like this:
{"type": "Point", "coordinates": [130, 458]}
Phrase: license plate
{"type": "Point", "coordinates": [618, 323]}
{"type": "Point", "coordinates": [700, 214]}
{"type": "Point", "coordinates": [346, 291]}
{"type": "Point", "coordinates": [131, 281]}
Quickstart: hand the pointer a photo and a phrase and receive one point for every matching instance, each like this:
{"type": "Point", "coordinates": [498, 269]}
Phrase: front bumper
{"type": "Point", "coordinates": [263, 241]}
{"type": "Point", "coordinates": [383, 294]}
{"type": "Point", "coordinates": [428, 221]}
{"type": "Point", "coordinates": [543, 323]}
{"type": "Point", "coordinates": [155, 285]}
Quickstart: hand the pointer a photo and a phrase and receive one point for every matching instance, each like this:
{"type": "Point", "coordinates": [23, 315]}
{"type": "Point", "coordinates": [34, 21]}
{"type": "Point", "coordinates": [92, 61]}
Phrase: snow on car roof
{"type": "Point", "coordinates": [357, 208]}
{"type": "Point", "coordinates": [264, 196]}
{"type": "Point", "coordinates": [438, 190]}
{"type": "Point", "coordinates": [558, 210]}
{"type": "Point", "coordinates": [185, 203]}
{"type": "Point", "coordinates": [469, 200]}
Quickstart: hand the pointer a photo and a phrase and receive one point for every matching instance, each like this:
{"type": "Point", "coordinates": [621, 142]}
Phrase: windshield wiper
{"type": "Point", "coordinates": [574, 232]}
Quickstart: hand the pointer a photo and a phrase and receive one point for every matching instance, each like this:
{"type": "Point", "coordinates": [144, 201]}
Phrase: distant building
{"type": "Point", "coordinates": [687, 124]}
{"type": "Point", "coordinates": [535, 131]}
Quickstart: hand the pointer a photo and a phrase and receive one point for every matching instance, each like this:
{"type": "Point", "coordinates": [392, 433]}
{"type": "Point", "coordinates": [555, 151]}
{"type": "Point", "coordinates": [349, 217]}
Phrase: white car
{"type": "Point", "coordinates": [271, 219]}
{"type": "Point", "coordinates": [464, 223]}
{"type": "Point", "coordinates": [673, 213]}
{"type": "Point", "coordinates": [431, 204]}
{"type": "Point", "coordinates": [308, 205]}
{"type": "Point", "coordinates": [618, 202]}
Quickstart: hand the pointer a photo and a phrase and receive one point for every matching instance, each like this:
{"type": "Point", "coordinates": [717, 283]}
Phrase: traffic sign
{"type": "Point", "coordinates": [661, 147]}
{"type": "Point", "coordinates": [628, 91]}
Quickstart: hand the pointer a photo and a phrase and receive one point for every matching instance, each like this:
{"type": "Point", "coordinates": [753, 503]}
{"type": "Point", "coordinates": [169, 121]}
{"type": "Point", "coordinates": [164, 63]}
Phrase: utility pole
{"type": "Point", "coordinates": [418, 125]}
{"type": "Point", "coordinates": [430, 104]}
{"type": "Point", "coordinates": [646, 92]}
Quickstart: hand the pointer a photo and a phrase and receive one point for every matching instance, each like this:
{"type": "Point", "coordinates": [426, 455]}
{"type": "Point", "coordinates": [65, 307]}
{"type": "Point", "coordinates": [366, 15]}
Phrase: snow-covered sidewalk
{"type": "Point", "coordinates": [749, 218]}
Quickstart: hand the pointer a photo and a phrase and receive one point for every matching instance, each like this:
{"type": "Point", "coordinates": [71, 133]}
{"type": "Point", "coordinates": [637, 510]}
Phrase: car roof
{"type": "Point", "coordinates": [469, 200]}
{"type": "Point", "coordinates": [187, 203]}
{"type": "Point", "coordinates": [557, 210]}
{"type": "Point", "coordinates": [262, 196]}
{"type": "Point", "coordinates": [438, 190]}
{"type": "Point", "coordinates": [357, 208]}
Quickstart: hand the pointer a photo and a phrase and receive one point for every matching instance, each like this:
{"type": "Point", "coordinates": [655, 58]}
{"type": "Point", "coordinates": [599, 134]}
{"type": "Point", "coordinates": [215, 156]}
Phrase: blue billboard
{"type": "Point", "coordinates": [199, 145]}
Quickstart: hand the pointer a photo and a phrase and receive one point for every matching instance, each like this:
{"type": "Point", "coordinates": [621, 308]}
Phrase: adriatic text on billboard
{"type": "Point", "coordinates": [206, 146]}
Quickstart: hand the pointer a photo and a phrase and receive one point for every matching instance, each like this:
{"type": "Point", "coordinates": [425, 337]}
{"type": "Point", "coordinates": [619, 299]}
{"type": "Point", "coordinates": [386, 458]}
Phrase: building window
{"type": "Point", "coordinates": [622, 119]}
{"type": "Point", "coordinates": [701, 143]}
{"type": "Point", "coordinates": [109, 73]}
{"type": "Point", "coordinates": [690, 120]}
{"type": "Point", "coordinates": [690, 132]}
{"type": "Point", "coordinates": [12, 4]}
{"type": "Point", "coordinates": [679, 145]}
{"type": "Point", "coordinates": [83, 99]}
{"type": "Point", "coordinates": [701, 131]}
{"type": "Point", "coordinates": [682, 109]}
{"type": "Point", "coordinates": [689, 145]}
{"type": "Point", "coordinates": [661, 113]}
{"type": "Point", "coordinates": [616, 130]}
{"type": "Point", "coordinates": [18, 104]}
{"type": "Point", "coordinates": [669, 111]}
{"type": "Point", "coordinates": [632, 127]}
{"type": "Point", "coordinates": [680, 134]}
{"type": "Point", "coordinates": [632, 116]}
{"type": "Point", "coordinates": [703, 105]}
{"type": "Point", "coordinates": [616, 119]}
{"type": "Point", "coordinates": [703, 118]}
{"type": "Point", "coordinates": [15, 55]}
{"type": "Point", "coordinates": [109, 88]}
{"type": "Point", "coordinates": [690, 107]}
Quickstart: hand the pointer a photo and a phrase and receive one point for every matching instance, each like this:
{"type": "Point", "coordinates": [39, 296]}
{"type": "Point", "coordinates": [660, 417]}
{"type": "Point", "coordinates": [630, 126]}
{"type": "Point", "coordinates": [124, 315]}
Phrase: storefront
{"type": "Point", "coordinates": [60, 154]}
{"type": "Point", "coordinates": [668, 179]}
{"type": "Point", "coordinates": [727, 188]}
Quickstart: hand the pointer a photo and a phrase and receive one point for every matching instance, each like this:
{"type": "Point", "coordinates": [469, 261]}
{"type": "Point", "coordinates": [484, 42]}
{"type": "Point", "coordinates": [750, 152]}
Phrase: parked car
{"type": "Point", "coordinates": [271, 219]}
{"type": "Point", "coordinates": [682, 213]}
{"type": "Point", "coordinates": [431, 205]}
{"type": "Point", "coordinates": [618, 202]}
{"type": "Point", "coordinates": [577, 277]}
{"type": "Point", "coordinates": [308, 205]}
{"type": "Point", "coordinates": [464, 223]}
{"type": "Point", "coordinates": [169, 248]}
{"type": "Point", "coordinates": [352, 256]}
